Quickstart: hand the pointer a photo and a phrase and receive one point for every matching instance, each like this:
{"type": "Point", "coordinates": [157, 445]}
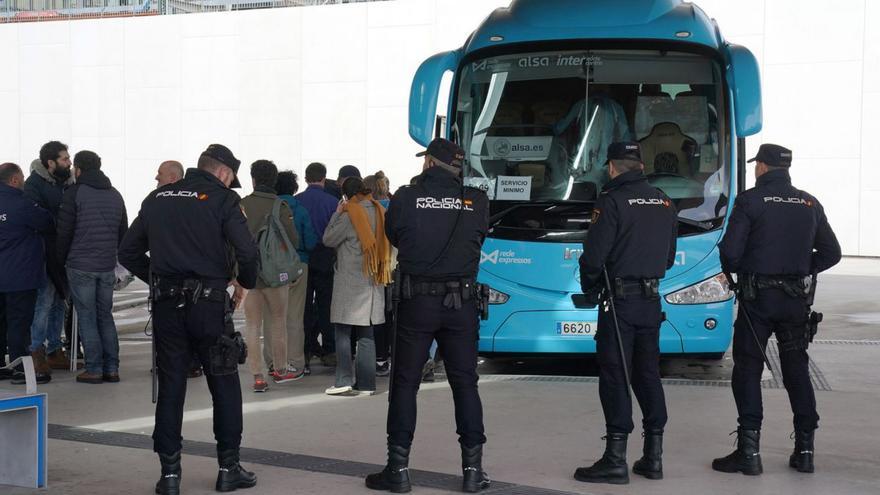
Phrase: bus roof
{"type": "Point", "coordinates": [550, 20]}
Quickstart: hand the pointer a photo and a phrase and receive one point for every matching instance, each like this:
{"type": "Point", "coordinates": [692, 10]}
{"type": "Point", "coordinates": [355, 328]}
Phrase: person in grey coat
{"type": "Point", "coordinates": [363, 267]}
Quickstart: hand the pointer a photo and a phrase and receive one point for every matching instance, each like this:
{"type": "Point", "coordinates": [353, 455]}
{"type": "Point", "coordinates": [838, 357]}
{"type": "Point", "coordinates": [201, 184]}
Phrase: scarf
{"type": "Point", "coordinates": [375, 245]}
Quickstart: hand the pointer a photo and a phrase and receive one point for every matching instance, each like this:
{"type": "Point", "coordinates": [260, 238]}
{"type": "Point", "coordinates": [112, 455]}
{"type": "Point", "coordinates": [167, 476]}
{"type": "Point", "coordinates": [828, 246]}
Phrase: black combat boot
{"type": "Point", "coordinates": [475, 479]}
{"type": "Point", "coordinates": [651, 464]}
{"type": "Point", "coordinates": [395, 477]}
{"type": "Point", "coordinates": [611, 468]}
{"type": "Point", "coordinates": [746, 459]}
{"type": "Point", "coordinates": [169, 483]}
{"type": "Point", "coordinates": [232, 475]}
{"type": "Point", "coordinates": [802, 457]}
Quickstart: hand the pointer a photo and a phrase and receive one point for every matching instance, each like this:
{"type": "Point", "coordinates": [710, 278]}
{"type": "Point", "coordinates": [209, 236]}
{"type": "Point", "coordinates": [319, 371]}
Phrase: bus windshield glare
{"type": "Point", "coordinates": [535, 128]}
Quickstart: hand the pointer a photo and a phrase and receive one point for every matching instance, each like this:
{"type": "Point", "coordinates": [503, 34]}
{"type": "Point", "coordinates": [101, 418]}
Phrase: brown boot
{"type": "Point", "coordinates": [93, 378]}
{"type": "Point", "coordinates": [41, 366]}
{"type": "Point", "coordinates": [58, 360]}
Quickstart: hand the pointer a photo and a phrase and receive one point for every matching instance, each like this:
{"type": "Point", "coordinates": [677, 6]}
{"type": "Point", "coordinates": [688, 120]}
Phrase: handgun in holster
{"type": "Point", "coordinates": [230, 349]}
{"type": "Point", "coordinates": [651, 288]}
{"type": "Point", "coordinates": [483, 300]}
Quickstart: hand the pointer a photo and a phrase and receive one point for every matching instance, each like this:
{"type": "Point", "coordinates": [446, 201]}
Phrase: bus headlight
{"type": "Point", "coordinates": [711, 290]}
{"type": "Point", "coordinates": [497, 297]}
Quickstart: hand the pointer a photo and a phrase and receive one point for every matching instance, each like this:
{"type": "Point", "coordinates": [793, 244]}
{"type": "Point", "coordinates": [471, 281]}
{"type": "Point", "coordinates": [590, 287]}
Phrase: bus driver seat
{"type": "Point", "coordinates": [668, 150]}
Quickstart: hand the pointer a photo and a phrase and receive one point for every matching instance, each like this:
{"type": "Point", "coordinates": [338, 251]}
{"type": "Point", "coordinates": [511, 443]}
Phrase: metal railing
{"type": "Point", "coordinates": [53, 10]}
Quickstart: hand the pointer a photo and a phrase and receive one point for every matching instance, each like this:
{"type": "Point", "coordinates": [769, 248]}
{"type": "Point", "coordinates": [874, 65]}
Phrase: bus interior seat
{"type": "Point", "coordinates": [667, 149]}
{"type": "Point", "coordinates": [509, 113]}
{"type": "Point", "coordinates": [537, 171]}
{"type": "Point", "coordinates": [583, 191]}
{"type": "Point", "coordinates": [653, 90]}
{"type": "Point", "coordinates": [549, 112]}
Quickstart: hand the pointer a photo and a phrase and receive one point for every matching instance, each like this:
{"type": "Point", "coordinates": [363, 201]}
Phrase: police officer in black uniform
{"type": "Point", "coordinates": [438, 227]}
{"type": "Point", "coordinates": [632, 234]}
{"type": "Point", "coordinates": [776, 237]}
{"type": "Point", "coordinates": [188, 227]}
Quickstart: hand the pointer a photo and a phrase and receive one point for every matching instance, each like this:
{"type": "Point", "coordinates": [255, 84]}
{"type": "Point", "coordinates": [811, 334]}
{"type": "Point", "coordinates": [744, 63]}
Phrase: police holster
{"type": "Point", "coordinates": [648, 288]}
{"type": "Point", "coordinates": [230, 349]}
{"type": "Point", "coordinates": [795, 287]}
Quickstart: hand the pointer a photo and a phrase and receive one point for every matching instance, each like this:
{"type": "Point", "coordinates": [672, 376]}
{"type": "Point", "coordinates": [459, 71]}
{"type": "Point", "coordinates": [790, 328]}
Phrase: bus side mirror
{"type": "Point", "coordinates": [744, 77]}
{"type": "Point", "coordinates": [423, 95]}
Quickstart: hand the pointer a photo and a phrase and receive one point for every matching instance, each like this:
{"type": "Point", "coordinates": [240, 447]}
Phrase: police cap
{"type": "Point", "coordinates": [445, 151]}
{"type": "Point", "coordinates": [223, 155]}
{"type": "Point", "coordinates": [773, 155]}
{"type": "Point", "coordinates": [624, 150]}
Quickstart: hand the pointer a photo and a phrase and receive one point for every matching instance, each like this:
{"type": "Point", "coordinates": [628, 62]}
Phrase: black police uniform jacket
{"type": "Point", "coordinates": [633, 232]}
{"type": "Point", "coordinates": [776, 229]}
{"type": "Point", "coordinates": [422, 217]}
{"type": "Point", "coordinates": [186, 226]}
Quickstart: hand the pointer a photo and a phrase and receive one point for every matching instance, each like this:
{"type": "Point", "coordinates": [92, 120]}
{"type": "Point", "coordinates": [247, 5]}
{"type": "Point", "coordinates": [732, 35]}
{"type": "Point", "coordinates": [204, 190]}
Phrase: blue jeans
{"type": "Point", "coordinates": [93, 300]}
{"type": "Point", "coordinates": [48, 319]}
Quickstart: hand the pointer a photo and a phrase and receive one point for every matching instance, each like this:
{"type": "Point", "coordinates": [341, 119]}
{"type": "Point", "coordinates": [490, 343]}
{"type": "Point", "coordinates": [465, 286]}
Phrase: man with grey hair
{"type": "Point", "coordinates": [170, 171]}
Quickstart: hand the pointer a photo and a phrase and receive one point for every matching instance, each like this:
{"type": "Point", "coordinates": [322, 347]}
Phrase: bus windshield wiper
{"type": "Point", "coordinates": [494, 219]}
{"type": "Point", "coordinates": [702, 225]}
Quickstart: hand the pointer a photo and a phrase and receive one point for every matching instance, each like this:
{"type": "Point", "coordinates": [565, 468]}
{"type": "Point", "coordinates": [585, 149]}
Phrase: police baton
{"type": "Point", "coordinates": [745, 311]}
{"type": "Point", "coordinates": [154, 386]}
{"type": "Point", "coordinates": [616, 327]}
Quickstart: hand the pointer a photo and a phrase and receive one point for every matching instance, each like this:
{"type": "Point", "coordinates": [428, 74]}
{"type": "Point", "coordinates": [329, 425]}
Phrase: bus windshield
{"type": "Point", "coordinates": [535, 128]}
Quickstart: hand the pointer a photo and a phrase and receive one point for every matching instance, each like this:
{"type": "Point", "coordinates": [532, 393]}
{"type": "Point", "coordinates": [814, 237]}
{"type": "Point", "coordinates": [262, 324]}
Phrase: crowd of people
{"type": "Point", "coordinates": [59, 235]}
{"type": "Point", "coordinates": [61, 227]}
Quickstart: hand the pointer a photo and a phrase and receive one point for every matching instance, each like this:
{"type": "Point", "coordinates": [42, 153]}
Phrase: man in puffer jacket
{"type": "Point", "coordinates": [50, 176]}
{"type": "Point", "coordinates": [91, 224]}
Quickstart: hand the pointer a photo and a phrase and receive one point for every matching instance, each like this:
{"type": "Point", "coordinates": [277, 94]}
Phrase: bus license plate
{"type": "Point", "coordinates": [575, 328]}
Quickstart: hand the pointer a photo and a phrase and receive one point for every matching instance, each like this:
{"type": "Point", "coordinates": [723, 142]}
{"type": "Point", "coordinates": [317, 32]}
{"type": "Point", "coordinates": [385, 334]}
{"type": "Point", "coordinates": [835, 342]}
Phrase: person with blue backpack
{"type": "Point", "coordinates": [270, 221]}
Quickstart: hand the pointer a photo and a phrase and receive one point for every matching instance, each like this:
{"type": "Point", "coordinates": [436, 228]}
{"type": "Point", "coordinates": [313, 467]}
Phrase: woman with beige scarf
{"type": "Point", "coordinates": [363, 267]}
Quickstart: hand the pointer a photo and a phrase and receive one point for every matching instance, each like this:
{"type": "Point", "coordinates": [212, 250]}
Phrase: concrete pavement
{"type": "Point", "coordinates": [543, 419]}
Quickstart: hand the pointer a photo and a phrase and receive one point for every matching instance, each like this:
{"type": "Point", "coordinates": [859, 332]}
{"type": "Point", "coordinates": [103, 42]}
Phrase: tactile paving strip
{"type": "Point", "coordinates": [424, 479]}
{"type": "Point", "coordinates": [816, 375]}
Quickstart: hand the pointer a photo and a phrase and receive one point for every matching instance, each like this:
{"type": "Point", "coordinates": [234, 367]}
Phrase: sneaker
{"type": "Point", "coordinates": [307, 370]}
{"type": "Point", "coordinates": [260, 384]}
{"type": "Point", "coordinates": [195, 372]}
{"type": "Point", "coordinates": [93, 378]}
{"type": "Point", "coordinates": [338, 390]}
{"type": "Point", "coordinates": [365, 392]}
{"type": "Point", "coordinates": [111, 377]}
{"type": "Point", "coordinates": [290, 375]}
{"type": "Point", "coordinates": [383, 368]}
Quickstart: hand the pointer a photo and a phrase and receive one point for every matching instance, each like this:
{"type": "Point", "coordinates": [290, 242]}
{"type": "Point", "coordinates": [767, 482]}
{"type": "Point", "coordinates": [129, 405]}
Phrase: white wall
{"type": "Point", "coordinates": [331, 84]}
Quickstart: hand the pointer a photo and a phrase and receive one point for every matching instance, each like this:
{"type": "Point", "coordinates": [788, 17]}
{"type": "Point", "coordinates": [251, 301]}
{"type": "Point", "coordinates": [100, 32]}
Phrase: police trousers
{"type": "Point", "coordinates": [179, 332]}
{"type": "Point", "coordinates": [421, 320]}
{"type": "Point", "coordinates": [772, 311]}
{"type": "Point", "coordinates": [639, 319]}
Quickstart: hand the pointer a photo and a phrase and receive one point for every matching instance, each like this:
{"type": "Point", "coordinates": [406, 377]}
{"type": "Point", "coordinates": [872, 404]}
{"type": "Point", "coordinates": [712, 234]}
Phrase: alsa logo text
{"type": "Point", "coordinates": [443, 204]}
{"type": "Point", "coordinates": [649, 201]}
{"type": "Point", "coordinates": [182, 194]}
{"type": "Point", "coordinates": [794, 201]}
